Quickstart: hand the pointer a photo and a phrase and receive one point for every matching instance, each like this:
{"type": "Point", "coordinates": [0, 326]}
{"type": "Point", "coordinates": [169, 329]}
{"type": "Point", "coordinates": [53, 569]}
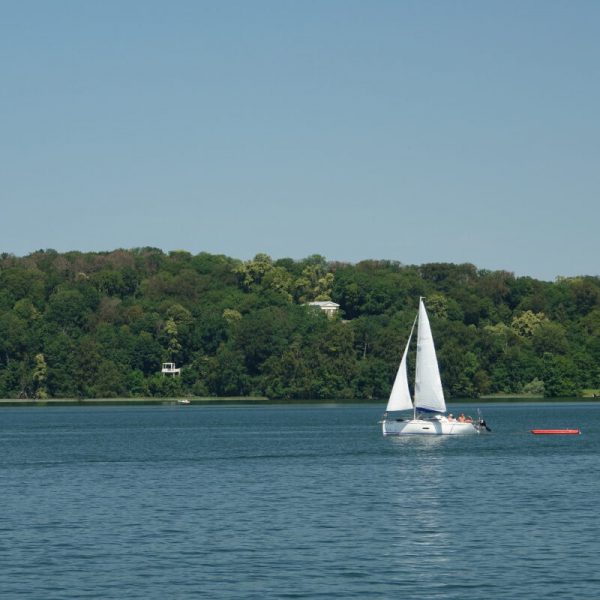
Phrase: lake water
{"type": "Point", "coordinates": [298, 501]}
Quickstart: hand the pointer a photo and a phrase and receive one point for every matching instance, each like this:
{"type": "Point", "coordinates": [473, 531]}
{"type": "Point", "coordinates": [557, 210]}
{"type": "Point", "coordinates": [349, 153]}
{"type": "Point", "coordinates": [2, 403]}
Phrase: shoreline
{"type": "Point", "coordinates": [261, 400]}
{"type": "Point", "coordinates": [12, 402]}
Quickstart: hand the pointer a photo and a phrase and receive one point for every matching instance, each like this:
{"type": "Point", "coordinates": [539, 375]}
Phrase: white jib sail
{"type": "Point", "coordinates": [428, 384]}
{"type": "Point", "coordinates": [400, 397]}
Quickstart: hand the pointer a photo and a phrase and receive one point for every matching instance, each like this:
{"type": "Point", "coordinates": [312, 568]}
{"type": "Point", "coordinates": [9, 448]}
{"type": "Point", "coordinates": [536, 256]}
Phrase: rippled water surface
{"type": "Point", "coordinates": [295, 502]}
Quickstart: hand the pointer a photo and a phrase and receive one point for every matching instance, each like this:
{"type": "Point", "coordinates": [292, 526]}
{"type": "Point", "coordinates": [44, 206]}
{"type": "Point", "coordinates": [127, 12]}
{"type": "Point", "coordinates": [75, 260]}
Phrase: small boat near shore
{"type": "Point", "coordinates": [556, 431]}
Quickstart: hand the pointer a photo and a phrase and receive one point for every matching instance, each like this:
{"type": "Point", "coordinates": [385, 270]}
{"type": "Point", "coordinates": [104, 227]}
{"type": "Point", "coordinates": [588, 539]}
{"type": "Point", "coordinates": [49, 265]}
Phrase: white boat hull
{"type": "Point", "coordinates": [437, 425]}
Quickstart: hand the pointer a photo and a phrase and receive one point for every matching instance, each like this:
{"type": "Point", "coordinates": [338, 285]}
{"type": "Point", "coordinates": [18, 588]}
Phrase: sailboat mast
{"type": "Point", "coordinates": [417, 320]}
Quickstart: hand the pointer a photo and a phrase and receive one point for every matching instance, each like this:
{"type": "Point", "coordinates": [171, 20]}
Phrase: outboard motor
{"type": "Point", "coordinates": [482, 424]}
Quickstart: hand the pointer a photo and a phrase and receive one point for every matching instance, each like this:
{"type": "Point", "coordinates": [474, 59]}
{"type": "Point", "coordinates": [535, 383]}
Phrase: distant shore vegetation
{"type": "Point", "coordinates": [101, 324]}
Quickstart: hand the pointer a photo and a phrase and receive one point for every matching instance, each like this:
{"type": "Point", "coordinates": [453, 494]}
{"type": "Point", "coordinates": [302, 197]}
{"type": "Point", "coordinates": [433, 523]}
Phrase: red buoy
{"type": "Point", "coordinates": [556, 431]}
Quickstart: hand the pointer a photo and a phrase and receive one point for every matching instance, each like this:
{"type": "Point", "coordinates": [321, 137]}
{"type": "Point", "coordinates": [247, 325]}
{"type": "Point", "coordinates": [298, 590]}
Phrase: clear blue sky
{"type": "Point", "coordinates": [417, 131]}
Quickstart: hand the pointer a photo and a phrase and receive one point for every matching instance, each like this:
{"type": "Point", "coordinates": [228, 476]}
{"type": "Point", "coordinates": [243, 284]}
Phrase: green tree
{"type": "Point", "coordinates": [550, 337]}
{"type": "Point", "coordinates": [288, 376]}
{"type": "Point", "coordinates": [437, 305]}
{"type": "Point", "coordinates": [60, 353]}
{"type": "Point", "coordinates": [560, 376]}
{"type": "Point", "coordinates": [227, 374]}
{"type": "Point", "coordinates": [40, 375]}
{"type": "Point", "coordinates": [316, 281]}
{"type": "Point", "coordinates": [261, 273]}
{"type": "Point", "coordinates": [68, 310]}
{"type": "Point", "coordinates": [173, 345]}
{"type": "Point", "coordinates": [526, 323]}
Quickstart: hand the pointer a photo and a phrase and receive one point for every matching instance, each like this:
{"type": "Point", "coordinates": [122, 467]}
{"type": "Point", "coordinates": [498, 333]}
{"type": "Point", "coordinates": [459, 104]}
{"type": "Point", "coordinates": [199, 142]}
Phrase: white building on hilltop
{"type": "Point", "coordinates": [327, 306]}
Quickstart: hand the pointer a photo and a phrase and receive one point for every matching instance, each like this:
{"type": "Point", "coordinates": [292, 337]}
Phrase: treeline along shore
{"type": "Point", "coordinates": [101, 325]}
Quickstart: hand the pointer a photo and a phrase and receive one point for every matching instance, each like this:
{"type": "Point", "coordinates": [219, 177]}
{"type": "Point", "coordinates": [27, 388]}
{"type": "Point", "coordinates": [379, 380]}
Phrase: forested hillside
{"type": "Point", "coordinates": [100, 325]}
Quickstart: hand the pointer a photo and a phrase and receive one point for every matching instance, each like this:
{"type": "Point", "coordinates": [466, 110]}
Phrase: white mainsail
{"type": "Point", "coordinates": [428, 384]}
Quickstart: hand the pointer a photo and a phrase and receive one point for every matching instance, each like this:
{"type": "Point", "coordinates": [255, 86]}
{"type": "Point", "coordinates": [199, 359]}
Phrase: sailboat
{"type": "Point", "coordinates": [429, 406]}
